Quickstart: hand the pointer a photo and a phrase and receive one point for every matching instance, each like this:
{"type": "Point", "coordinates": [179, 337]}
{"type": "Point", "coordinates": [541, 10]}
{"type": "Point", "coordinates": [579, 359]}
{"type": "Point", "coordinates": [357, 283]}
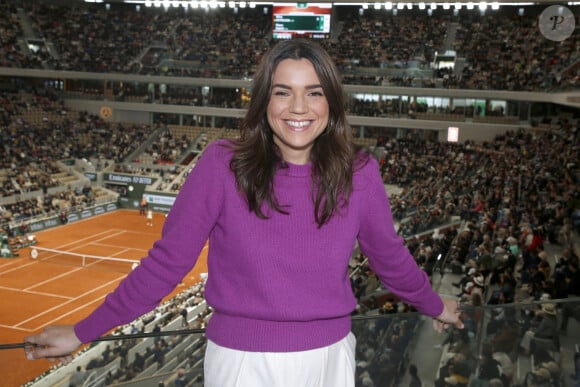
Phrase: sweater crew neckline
{"type": "Point", "coordinates": [295, 170]}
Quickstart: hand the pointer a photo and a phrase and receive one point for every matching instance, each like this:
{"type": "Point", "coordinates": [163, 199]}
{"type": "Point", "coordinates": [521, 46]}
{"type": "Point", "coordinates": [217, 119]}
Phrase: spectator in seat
{"type": "Point", "coordinates": [546, 329]}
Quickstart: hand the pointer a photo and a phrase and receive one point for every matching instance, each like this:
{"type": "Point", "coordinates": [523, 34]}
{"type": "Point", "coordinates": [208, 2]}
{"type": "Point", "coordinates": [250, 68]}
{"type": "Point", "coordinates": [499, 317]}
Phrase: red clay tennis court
{"type": "Point", "coordinates": [61, 288]}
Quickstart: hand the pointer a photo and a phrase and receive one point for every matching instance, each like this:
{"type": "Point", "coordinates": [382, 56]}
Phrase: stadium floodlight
{"type": "Point", "coordinates": [482, 8]}
{"type": "Point", "coordinates": [388, 5]}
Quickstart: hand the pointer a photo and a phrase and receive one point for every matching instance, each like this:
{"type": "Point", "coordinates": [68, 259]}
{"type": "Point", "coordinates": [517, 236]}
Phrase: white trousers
{"type": "Point", "coordinates": [331, 366]}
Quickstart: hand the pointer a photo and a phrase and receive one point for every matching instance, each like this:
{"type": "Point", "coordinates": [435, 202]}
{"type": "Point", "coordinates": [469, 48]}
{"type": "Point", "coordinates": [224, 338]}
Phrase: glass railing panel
{"type": "Point", "coordinates": [496, 343]}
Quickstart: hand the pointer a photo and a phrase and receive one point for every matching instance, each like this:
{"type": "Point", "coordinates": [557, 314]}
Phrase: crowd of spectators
{"type": "Point", "coordinates": [382, 40]}
{"type": "Point", "coordinates": [37, 132]}
{"type": "Point", "coordinates": [509, 53]}
{"type": "Point", "coordinates": [369, 48]}
{"type": "Point", "coordinates": [21, 211]}
{"type": "Point", "coordinates": [168, 149]}
{"type": "Point", "coordinates": [512, 196]}
{"type": "Point", "coordinates": [38, 128]}
{"type": "Point", "coordinates": [13, 54]}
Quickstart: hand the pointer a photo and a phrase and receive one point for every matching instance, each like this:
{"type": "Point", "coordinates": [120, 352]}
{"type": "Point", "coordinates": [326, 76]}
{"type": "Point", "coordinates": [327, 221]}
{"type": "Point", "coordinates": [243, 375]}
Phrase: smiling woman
{"type": "Point", "coordinates": [283, 207]}
{"type": "Point", "coordinates": [298, 109]}
{"type": "Point", "coordinates": [303, 76]}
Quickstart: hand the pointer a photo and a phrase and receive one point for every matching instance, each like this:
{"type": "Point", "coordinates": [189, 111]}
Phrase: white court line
{"type": "Point", "coordinates": [90, 237]}
{"type": "Point", "coordinates": [122, 251]}
{"type": "Point", "coordinates": [53, 278]}
{"type": "Point", "coordinates": [12, 327]}
{"type": "Point", "coordinates": [73, 310]}
{"type": "Point", "coordinates": [33, 292]}
{"type": "Point", "coordinates": [8, 262]}
{"type": "Point", "coordinates": [118, 232]}
{"type": "Point", "coordinates": [69, 301]}
{"type": "Point", "coordinates": [17, 268]}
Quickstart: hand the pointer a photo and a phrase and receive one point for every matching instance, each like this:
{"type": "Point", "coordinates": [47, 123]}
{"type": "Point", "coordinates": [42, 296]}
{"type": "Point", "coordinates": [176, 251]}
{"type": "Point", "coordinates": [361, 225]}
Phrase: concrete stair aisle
{"type": "Point", "coordinates": [26, 25]}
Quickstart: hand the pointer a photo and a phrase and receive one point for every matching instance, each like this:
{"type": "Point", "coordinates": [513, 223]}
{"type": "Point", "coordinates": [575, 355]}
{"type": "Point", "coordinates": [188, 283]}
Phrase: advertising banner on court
{"type": "Point", "coordinates": [57, 220]}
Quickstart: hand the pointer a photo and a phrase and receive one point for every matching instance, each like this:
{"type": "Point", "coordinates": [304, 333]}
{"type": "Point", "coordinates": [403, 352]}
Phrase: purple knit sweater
{"type": "Point", "coordinates": [275, 285]}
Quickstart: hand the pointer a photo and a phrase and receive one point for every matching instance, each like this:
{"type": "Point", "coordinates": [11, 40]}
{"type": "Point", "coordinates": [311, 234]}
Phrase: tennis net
{"type": "Point", "coordinates": [84, 260]}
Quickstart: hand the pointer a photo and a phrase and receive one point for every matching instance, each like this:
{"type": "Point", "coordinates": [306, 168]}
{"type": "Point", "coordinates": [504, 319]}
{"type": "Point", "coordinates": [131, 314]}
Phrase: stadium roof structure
{"type": "Point", "coordinates": [243, 4]}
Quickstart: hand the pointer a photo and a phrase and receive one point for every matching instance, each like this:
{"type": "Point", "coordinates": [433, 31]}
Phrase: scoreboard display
{"type": "Point", "coordinates": [301, 19]}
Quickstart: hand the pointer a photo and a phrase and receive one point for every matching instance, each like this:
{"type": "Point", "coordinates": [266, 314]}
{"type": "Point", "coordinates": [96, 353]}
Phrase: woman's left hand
{"type": "Point", "coordinates": [449, 316]}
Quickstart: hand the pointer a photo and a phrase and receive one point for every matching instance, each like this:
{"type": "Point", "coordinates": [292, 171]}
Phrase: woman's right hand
{"type": "Point", "coordinates": [56, 342]}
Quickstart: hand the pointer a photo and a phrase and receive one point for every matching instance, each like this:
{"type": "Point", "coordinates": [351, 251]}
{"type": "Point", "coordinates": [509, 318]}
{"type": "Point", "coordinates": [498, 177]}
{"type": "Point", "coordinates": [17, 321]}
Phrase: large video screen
{"type": "Point", "coordinates": [301, 19]}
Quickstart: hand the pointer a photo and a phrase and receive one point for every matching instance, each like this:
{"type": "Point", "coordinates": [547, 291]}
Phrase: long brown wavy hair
{"type": "Point", "coordinates": [256, 157]}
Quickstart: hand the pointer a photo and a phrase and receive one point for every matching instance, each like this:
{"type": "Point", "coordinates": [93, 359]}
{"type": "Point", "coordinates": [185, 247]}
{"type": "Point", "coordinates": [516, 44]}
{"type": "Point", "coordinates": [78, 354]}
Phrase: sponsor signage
{"type": "Point", "coordinates": [73, 216]}
{"type": "Point", "coordinates": [160, 199]}
{"type": "Point", "coordinates": [115, 178]}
